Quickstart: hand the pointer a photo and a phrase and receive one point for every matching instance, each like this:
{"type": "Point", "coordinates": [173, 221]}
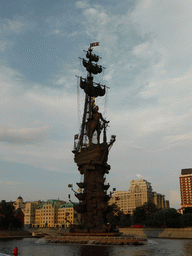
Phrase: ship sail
{"type": "Point", "coordinates": [89, 88]}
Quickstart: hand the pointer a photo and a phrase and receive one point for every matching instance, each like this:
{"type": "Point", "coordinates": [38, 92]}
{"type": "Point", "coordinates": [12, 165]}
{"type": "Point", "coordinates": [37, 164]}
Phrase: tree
{"type": "Point", "coordinates": [172, 218]}
{"type": "Point", "coordinates": [139, 215]}
{"type": "Point", "coordinates": [186, 220]}
{"type": "Point", "coordinates": [125, 221]}
{"type": "Point", "coordinates": [150, 207]}
{"type": "Point", "coordinates": [143, 214]}
{"type": "Point", "coordinates": [9, 218]}
{"type": "Point", "coordinates": [113, 215]}
{"type": "Point", "coordinates": [187, 210]}
{"type": "Point", "coordinates": [7, 214]}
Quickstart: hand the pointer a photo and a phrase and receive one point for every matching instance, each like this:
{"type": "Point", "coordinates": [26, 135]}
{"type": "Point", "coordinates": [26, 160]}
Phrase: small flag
{"type": "Point", "coordinates": [94, 44]}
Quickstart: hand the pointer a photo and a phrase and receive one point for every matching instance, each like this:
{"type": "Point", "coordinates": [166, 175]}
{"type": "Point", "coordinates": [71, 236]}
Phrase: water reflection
{"type": "Point", "coordinates": [187, 248]}
{"type": "Point", "coordinates": [38, 247]}
{"type": "Point", "coordinates": [93, 250]}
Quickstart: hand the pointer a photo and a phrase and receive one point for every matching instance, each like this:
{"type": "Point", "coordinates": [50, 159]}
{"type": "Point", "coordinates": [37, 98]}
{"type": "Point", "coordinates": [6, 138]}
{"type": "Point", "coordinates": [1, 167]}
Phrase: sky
{"type": "Point", "coordinates": [145, 47]}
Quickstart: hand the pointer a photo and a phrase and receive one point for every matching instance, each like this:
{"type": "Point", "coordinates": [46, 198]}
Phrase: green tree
{"type": "Point", "coordinates": [125, 221]}
{"type": "Point", "coordinates": [6, 214]}
{"type": "Point", "coordinates": [113, 215]}
{"type": "Point", "coordinates": [150, 208]}
{"type": "Point", "coordinates": [172, 218]}
{"type": "Point", "coordinates": [144, 214]}
{"type": "Point", "coordinates": [186, 220]}
{"type": "Point", "coordinates": [187, 210]}
{"type": "Point", "coordinates": [139, 215]}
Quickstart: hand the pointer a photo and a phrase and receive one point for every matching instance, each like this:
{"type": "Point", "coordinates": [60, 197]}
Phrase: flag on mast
{"type": "Point", "coordinates": [94, 44]}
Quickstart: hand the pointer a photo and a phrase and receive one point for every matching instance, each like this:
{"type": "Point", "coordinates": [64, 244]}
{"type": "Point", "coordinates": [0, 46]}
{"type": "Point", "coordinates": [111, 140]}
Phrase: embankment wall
{"type": "Point", "coordinates": [176, 233]}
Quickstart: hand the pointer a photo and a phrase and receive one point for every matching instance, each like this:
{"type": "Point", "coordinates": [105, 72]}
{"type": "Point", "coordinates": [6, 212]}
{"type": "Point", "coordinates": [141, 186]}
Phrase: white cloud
{"type": "Point", "coordinates": [13, 26]}
{"type": "Point", "coordinates": [24, 135]}
{"type": "Point", "coordinates": [167, 24]}
{"type": "Point", "coordinates": [56, 31]}
{"type": "Point", "coordinates": [4, 45]}
{"type": "Point", "coordinates": [11, 183]}
{"type": "Point", "coordinates": [82, 4]}
{"type": "Point", "coordinates": [143, 50]}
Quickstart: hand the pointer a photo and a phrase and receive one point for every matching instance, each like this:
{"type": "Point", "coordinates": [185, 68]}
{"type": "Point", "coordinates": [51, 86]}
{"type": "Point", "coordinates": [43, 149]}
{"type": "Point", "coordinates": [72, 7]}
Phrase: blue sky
{"type": "Point", "coordinates": [146, 49]}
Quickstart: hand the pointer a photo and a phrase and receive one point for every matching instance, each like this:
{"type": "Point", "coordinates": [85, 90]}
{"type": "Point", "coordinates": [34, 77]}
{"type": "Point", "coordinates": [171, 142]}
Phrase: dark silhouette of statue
{"type": "Point", "coordinates": [94, 124]}
{"type": "Point", "coordinates": [91, 158]}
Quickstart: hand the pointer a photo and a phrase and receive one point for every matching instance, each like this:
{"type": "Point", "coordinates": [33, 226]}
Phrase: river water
{"type": "Point", "coordinates": [39, 247]}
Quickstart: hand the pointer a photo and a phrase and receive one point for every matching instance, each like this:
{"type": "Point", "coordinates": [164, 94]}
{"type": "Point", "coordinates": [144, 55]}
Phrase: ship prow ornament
{"type": "Point", "coordinates": [91, 157]}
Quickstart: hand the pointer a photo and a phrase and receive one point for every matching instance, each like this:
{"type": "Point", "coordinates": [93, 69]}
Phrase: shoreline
{"type": "Point", "coordinates": [129, 233]}
{"type": "Point", "coordinates": [166, 233]}
{"type": "Point", "coordinates": [6, 234]}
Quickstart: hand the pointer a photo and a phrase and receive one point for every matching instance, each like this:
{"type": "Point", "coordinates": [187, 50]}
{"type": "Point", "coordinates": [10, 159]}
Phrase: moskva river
{"type": "Point", "coordinates": [39, 247]}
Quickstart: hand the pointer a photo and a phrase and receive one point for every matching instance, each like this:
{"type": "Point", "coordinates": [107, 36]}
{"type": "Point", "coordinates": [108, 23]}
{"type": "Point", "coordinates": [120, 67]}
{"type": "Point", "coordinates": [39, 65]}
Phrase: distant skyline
{"type": "Point", "coordinates": [145, 47]}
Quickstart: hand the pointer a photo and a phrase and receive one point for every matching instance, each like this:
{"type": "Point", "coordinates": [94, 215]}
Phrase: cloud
{"type": "Point", "coordinates": [11, 183]}
{"type": "Point", "coordinates": [56, 32]}
{"type": "Point", "coordinates": [23, 136]}
{"type": "Point", "coordinates": [143, 50]}
{"type": "Point", "coordinates": [82, 4]}
{"type": "Point", "coordinates": [167, 25]}
{"type": "Point", "coordinates": [4, 45]}
{"type": "Point", "coordinates": [15, 26]}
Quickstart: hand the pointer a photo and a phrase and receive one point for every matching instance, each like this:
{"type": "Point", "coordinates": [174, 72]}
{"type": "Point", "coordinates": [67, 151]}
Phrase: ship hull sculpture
{"type": "Point", "coordinates": [91, 158]}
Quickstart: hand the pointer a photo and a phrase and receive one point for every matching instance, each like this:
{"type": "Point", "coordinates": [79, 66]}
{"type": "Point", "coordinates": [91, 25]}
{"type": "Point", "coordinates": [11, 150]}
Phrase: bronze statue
{"type": "Point", "coordinates": [91, 158]}
{"type": "Point", "coordinates": [94, 124]}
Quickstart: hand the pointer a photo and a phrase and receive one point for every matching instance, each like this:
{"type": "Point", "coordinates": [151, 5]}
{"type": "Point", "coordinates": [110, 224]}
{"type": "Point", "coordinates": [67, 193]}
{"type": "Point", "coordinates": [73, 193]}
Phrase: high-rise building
{"type": "Point", "coordinates": [122, 199]}
{"type": "Point", "coordinates": [186, 188]}
{"type": "Point", "coordinates": [140, 192]}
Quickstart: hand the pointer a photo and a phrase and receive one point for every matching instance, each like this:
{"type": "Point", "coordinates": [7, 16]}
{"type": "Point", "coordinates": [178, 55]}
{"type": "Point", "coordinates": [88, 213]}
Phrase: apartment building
{"type": "Point", "coordinates": [52, 213]}
{"type": "Point", "coordinates": [56, 214]}
{"type": "Point", "coordinates": [186, 188]}
{"type": "Point", "coordinates": [140, 192]}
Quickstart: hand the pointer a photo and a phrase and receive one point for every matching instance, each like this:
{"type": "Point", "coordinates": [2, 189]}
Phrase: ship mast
{"type": "Point", "coordinates": [91, 92]}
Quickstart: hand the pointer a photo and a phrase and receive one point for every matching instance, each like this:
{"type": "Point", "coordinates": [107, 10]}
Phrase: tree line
{"type": "Point", "coordinates": [148, 215]}
{"type": "Point", "coordinates": [9, 217]}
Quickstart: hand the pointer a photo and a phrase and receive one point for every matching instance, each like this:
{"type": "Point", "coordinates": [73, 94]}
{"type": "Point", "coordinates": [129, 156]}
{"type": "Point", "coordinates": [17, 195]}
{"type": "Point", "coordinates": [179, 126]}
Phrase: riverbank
{"type": "Point", "coordinates": [173, 233]}
{"type": "Point", "coordinates": [14, 234]}
{"type": "Point", "coordinates": [131, 233]}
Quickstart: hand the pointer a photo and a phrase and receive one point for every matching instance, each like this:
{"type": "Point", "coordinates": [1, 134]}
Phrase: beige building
{"type": "Point", "coordinates": [67, 216]}
{"type": "Point", "coordinates": [29, 212]}
{"type": "Point", "coordinates": [52, 213]}
{"type": "Point", "coordinates": [140, 192]}
{"type": "Point", "coordinates": [55, 213]}
{"type": "Point", "coordinates": [46, 214]}
{"type": "Point", "coordinates": [19, 203]}
{"type": "Point", "coordinates": [28, 209]}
